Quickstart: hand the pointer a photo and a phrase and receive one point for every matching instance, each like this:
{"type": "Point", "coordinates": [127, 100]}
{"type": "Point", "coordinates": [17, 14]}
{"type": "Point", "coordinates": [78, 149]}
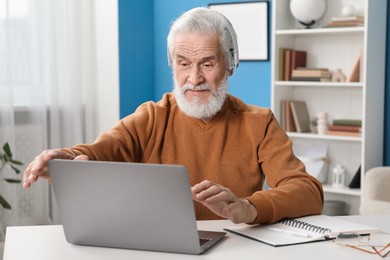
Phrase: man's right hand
{"type": "Point", "coordinates": [38, 168]}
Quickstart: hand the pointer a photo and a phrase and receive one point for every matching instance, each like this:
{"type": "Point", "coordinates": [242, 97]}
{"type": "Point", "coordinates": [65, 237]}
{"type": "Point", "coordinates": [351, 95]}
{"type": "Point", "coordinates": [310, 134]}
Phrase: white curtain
{"type": "Point", "coordinates": [47, 79]}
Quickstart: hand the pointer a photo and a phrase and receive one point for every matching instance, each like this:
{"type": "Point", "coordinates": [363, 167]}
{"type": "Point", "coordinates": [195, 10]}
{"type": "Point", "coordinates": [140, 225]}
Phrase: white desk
{"type": "Point", "coordinates": [48, 243]}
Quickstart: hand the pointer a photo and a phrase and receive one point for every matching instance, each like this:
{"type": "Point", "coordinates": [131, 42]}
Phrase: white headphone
{"type": "Point", "coordinates": [233, 52]}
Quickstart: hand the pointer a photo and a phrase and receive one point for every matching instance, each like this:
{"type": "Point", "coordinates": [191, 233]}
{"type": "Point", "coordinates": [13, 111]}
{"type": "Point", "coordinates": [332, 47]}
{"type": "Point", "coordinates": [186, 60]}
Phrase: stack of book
{"type": "Point", "coordinates": [289, 60]}
{"type": "Point", "coordinates": [311, 74]}
{"type": "Point", "coordinates": [346, 127]}
{"type": "Point", "coordinates": [346, 21]}
{"type": "Point", "coordinates": [295, 116]}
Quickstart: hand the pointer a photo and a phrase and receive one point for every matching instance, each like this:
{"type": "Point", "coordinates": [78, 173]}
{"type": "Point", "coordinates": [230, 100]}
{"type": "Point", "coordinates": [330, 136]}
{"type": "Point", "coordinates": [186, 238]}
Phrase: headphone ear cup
{"type": "Point", "coordinates": [234, 52]}
{"type": "Point", "coordinates": [233, 55]}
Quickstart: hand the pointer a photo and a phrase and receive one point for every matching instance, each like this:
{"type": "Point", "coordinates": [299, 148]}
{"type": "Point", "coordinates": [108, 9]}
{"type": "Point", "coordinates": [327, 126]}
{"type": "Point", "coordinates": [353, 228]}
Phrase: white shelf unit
{"type": "Point", "coordinates": [337, 48]}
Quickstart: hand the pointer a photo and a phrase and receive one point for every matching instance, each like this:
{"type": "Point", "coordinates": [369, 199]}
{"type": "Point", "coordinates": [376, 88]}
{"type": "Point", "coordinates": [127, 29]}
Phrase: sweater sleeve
{"type": "Point", "coordinates": [293, 192]}
{"type": "Point", "coordinates": [126, 141]}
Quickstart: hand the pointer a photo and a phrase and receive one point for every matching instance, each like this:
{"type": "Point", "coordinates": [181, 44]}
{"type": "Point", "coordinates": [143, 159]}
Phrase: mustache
{"type": "Point", "coordinates": [187, 87]}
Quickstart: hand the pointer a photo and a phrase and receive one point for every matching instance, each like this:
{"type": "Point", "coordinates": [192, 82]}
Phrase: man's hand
{"type": "Point", "coordinates": [224, 202]}
{"type": "Point", "coordinates": [38, 168]}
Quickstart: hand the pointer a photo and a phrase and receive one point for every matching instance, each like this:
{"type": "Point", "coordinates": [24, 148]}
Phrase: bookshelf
{"type": "Point", "coordinates": [337, 48]}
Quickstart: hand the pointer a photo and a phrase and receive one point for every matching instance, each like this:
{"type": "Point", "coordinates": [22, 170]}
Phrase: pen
{"type": "Point", "coordinates": [289, 232]}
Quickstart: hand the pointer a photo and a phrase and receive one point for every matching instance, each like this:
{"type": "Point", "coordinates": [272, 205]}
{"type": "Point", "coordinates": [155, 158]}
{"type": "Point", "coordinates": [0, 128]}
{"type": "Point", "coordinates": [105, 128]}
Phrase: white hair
{"type": "Point", "coordinates": [204, 20]}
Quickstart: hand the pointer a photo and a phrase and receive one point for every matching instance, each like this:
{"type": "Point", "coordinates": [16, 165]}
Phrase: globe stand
{"type": "Point", "coordinates": [307, 24]}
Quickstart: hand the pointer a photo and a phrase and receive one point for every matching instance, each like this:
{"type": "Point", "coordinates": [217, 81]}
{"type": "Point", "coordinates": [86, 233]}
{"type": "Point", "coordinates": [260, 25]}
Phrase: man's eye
{"type": "Point", "coordinates": [208, 65]}
{"type": "Point", "coordinates": [184, 64]}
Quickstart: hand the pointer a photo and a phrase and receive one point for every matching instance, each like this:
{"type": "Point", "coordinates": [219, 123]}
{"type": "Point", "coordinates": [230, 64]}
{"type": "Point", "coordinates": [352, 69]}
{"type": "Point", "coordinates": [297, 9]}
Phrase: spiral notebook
{"type": "Point", "coordinates": [301, 230]}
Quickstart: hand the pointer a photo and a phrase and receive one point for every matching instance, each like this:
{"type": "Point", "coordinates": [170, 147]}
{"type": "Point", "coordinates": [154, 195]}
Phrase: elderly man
{"type": "Point", "coordinates": [229, 147]}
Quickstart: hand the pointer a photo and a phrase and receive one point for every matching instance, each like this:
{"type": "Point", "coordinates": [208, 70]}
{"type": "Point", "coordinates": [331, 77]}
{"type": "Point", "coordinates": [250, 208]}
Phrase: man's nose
{"type": "Point", "coordinates": [196, 76]}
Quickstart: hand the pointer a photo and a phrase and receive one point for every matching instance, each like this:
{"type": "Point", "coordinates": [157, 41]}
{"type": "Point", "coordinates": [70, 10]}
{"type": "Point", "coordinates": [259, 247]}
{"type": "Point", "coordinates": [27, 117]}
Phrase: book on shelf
{"type": "Point", "coordinates": [281, 63]}
{"type": "Point", "coordinates": [347, 122]}
{"type": "Point", "coordinates": [298, 59]}
{"type": "Point", "coordinates": [313, 74]}
{"type": "Point", "coordinates": [344, 24]}
{"type": "Point", "coordinates": [357, 18]}
{"type": "Point", "coordinates": [348, 128]}
{"type": "Point", "coordinates": [300, 115]}
{"type": "Point", "coordinates": [320, 79]}
{"type": "Point", "coordinates": [312, 68]}
{"type": "Point", "coordinates": [287, 117]}
{"type": "Point", "coordinates": [287, 64]}
{"type": "Point", "coordinates": [354, 75]}
{"type": "Point", "coordinates": [343, 133]}
{"type": "Point", "coordinates": [282, 121]}
{"type": "Point", "coordinates": [299, 72]}
{"type": "Point", "coordinates": [290, 59]}
{"type": "Point", "coordinates": [300, 230]}
{"type": "Point", "coordinates": [346, 21]}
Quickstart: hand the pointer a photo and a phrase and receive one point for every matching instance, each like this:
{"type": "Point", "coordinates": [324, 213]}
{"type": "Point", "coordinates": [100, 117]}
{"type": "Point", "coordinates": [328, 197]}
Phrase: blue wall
{"type": "Point", "coordinates": [144, 71]}
{"type": "Point", "coordinates": [136, 58]}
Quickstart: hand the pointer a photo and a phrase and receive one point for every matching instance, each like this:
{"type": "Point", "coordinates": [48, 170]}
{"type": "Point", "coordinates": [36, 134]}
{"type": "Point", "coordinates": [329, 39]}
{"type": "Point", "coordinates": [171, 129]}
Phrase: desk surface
{"type": "Point", "coordinates": [48, 242]}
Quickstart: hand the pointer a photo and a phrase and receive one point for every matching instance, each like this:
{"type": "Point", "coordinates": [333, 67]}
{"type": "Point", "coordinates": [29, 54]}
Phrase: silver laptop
{"type": "Point", "coordinates": [128, 205]}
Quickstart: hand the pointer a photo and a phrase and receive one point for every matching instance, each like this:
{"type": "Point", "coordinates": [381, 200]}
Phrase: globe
{"type": "Point", "coordinates": [307, 12]}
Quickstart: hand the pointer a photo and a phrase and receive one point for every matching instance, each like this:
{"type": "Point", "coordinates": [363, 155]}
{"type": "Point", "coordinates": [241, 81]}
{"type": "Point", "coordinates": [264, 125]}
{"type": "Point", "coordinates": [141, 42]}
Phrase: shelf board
{"type": "Point", "coordinates": [357, 85]}
{"type": "Point", "coordinates": [344, 191]}
{"type": "Point", "coordinates": [320, 31]}
{"type": "Point", "coordinates": [325, 137]}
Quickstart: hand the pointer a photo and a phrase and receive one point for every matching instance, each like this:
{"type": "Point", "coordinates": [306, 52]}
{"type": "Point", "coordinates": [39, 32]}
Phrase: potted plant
{"type": "Point", "coordinates": [6, 158]}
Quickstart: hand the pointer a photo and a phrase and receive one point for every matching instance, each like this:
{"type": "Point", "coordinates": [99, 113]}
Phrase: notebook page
{"type": "Point", "coordinates": [263, 234]}
{"type": "Point", "coordinates": [290, 234]}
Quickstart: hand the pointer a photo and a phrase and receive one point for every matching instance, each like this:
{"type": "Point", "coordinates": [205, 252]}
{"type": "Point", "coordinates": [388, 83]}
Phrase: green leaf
{"type": "Point", "coordinates": [7, 150]}
{"type": "Point", "coordinates": [4, 203]}
{"type": "Point", "coordinates": [16, 162]}
{"type": "Point", "coordinates": [15, 169]}
{"type": "Point", "coordinates": [12, 180]}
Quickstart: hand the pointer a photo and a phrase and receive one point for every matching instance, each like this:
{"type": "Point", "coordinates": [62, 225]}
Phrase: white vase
{"type": "Point", "coordinates": [322, 123]}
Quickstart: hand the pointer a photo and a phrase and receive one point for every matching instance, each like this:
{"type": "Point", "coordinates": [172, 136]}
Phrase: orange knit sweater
{"type": "Point", "coordinates": [240, 147]}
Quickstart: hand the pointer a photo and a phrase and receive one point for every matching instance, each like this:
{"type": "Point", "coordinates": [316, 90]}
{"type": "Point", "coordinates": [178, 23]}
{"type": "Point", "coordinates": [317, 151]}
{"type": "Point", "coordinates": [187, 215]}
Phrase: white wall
{"type": "Point", "coordinates": [107, 58]}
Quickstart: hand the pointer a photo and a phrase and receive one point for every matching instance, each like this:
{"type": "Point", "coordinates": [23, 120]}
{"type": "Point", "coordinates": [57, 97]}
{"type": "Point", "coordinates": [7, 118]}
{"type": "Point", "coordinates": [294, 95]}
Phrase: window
{"type": "Point", "coordinates": [15, 53]}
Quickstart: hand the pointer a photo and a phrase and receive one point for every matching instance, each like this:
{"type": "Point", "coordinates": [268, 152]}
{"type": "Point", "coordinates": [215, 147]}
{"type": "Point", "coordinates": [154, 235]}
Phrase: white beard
{"type": "Point", "coordinates": [196, 108]}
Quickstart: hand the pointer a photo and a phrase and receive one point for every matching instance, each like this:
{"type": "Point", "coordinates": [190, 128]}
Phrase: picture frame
{"type": "Point", "coordinates": [250, 21]}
